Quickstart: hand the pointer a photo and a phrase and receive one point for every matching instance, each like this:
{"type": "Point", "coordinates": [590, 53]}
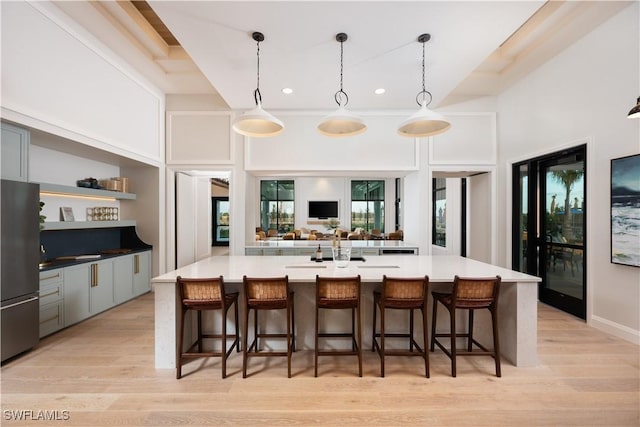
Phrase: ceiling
{"type": "Point", "coordinates": [477, 48]}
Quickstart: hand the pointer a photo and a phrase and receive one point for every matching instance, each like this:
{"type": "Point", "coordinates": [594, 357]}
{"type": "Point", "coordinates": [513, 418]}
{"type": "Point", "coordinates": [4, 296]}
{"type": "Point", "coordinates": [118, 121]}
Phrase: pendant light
{"type": "Point", "coordinates": [257, 122]}
{"type": "Point", "coordinates": [341, 122]}
{"type": "Point", "coordinates": [635, 111]}
{"type": "Point", "coordinates": [424, 122]}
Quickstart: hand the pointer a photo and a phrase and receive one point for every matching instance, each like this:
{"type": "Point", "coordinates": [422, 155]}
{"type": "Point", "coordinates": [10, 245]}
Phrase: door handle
{"type": "Point", "coordinates": [19, 303]}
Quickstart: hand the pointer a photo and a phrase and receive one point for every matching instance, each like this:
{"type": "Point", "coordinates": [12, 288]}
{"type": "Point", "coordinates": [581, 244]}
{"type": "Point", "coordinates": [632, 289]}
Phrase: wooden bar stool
{"type": "Point", "coordinates": [401, 294]}
{"type": "Point", "coordinates": [339, 293]}
{"type": "Point", "coordinates": [468, 294]}
{"type": "Point", "coordinates": [262, 294]}
{"type": "Point", "coordinates": [201, 295]}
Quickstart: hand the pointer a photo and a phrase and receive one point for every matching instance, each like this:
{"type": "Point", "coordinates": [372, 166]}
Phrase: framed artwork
{"type": "Point", "coordinates": [66, 214]}
{"type": "Point", "coordinates": [625, 210]}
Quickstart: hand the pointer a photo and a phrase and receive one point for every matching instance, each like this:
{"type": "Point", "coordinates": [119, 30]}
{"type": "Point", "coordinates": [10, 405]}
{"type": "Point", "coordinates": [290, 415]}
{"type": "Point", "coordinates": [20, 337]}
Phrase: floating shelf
{"type": "Point", "coordinates": [70, 225]}
{"type": "Point", "coordinates": [66, 190]}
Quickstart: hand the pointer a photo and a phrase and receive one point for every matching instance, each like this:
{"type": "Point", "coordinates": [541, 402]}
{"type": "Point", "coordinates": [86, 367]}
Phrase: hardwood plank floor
{"type": "Point", "coordinates": [100, 373]}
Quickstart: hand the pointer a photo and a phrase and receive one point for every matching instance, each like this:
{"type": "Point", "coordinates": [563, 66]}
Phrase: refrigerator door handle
{"type": "Point", "coordinates": [19, 303]}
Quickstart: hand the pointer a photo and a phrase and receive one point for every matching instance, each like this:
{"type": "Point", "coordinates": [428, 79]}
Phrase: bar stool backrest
{"type": "Point", "coordinates": [200, 291]}
{"type": "Point", "coordinates": [477, 291]}
{"type": "Point", "coordinates": [270, 288]}
{"type": "Point", "coordinates": [338, 288]}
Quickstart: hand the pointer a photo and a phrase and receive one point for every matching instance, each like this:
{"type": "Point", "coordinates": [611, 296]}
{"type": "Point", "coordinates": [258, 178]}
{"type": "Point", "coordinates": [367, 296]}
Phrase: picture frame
{"type": "Point", "coordinates": [66, 214]}
{"type": "Point", "coordinates": [625, 210]}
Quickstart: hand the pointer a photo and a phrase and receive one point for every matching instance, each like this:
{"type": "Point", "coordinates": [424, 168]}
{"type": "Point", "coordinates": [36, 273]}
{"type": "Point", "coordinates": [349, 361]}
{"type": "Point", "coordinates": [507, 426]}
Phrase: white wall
{"type": "Point", "coordinates": [58, 78]}
{"type": "Point", "coordinates": [582, 95]}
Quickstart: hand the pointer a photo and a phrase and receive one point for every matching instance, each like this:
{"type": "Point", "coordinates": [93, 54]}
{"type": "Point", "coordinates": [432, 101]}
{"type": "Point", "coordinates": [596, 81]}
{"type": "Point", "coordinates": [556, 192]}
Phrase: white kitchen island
{"type": "Point", "coordinates": [517, 304]}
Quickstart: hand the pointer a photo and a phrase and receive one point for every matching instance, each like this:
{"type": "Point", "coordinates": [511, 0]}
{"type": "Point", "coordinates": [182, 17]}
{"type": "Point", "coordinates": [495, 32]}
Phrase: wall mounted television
{"type": "Point", "coordinates": [323, 209]}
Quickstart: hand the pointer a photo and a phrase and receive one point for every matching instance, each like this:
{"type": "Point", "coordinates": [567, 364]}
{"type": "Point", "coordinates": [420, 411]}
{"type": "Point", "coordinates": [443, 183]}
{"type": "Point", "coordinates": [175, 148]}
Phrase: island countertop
{"type": "Point", "coordinates": [517, 306]}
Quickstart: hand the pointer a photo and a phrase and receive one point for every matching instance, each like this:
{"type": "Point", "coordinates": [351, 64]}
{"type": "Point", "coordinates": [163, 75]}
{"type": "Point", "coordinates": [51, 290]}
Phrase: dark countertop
{"type": "Point", "coordinates": [53, 264]}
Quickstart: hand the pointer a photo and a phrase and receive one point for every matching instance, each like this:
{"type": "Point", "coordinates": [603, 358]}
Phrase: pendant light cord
{"type": "Point", "coordinates": [258, 37]}
{"type": "Point", "coordinates": [341, 94]}
{"type": "Point", "coordinates": [423, 39]}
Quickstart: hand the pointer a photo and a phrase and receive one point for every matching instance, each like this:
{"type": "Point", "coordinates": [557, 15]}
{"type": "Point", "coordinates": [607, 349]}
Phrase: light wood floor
{"type": "Point", "coordinates": [101, 372]}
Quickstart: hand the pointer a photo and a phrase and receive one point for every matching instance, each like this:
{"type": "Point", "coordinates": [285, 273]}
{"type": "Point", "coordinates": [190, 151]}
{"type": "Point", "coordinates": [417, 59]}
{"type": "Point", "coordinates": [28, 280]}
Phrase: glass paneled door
{"type": "Point", "coordinates": [220, 217]}
{"type": "Point", "coordinates": [549, 227]}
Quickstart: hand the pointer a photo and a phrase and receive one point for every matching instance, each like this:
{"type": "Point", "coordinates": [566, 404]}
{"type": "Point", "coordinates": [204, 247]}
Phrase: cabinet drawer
{"type": "Point", "coordinates": [50, 293]}
{"type": "Point", "coordinates": [51, 276]}
{"type": "Point", "coordinates": [51, 318]}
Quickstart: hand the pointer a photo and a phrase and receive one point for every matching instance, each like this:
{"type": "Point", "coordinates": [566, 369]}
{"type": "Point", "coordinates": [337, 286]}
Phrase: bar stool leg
{"type": "Point", "coordinates": [382, 343]}
{"type": "Point", "coordinates": [237, 328]}
{"type": "Point", "coordinates": [496, 343]}
{"type": "Point", "coordinates": [423, 309]}
{"type": "Point", "coordinates": [452, 316]}
{"type": "Point", "coordinates": [315, 372]}
{"type": "Point", "coordinates": [373, 335]}
{"type": "Point", "coordinates": [470, 338]}
{"type": "Point", "coordinates": [434, 315]}
{"type": "Point", "coordinates": [289, 310]}
{"type": "Point", "coordinates": [359, 340]}
{"type": "Point", "coordinates": [224, 342]}
{"type": "Point", "coordinates": [411, 330]}
{"type": "Point", "coordinates": [245, 340]}
{"type": "Point", "coordinates": [180, 341]}
{"type": "Point", "coordinates": [293, 322]}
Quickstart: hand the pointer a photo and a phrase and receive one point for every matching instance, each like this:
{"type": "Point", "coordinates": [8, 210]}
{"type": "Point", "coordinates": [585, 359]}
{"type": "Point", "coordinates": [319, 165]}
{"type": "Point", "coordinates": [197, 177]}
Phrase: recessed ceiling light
{"type": "Point", "coordinates": [287, 90]}
{"type": "Point", "coordinates": [379, 91]}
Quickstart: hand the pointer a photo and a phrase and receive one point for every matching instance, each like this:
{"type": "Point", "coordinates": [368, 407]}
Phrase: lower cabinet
{"type": "Point", "coordinates": [101, 286]}
{"type": "Point", "coordinates": [97, 286]}
{"type": "Point", "coordinates": [123, 278]}
{"type": "Point", "coordinates": [76, 293]}
{"type": "Point", "coordinates": [141, 273]}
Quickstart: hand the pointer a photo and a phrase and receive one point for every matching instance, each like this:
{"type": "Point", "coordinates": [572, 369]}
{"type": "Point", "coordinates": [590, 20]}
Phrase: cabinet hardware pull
{"type": "Point", "coordinates": [94, 275]}
{"type": "Point", "coordinates": [56, 292]}
{"type": "Point", "coordinates": [136, 263]}
{"type": "Point", "coordinates": [50, 277]}
{"type": "Point", "coordinates": [57, 316]}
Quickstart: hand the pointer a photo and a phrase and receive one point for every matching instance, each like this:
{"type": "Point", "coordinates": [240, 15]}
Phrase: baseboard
{"type": "Point", "coordinates": [616, 329]}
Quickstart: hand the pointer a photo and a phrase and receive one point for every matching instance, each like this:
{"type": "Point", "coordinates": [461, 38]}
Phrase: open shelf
{"type": "Point", "coordinates": [66, 190]}
{"type": "Point", "coordinates": [70, 225]}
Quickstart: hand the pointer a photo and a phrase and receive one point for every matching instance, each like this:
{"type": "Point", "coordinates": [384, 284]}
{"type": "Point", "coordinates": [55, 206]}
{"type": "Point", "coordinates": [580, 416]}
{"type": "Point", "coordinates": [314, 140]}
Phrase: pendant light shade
{"type": "Point", "coordinates": [341, 122]}
{"type": "Point", "coordinates": [635, 111]}
{"type": "Point", "coordinates": [258, 123]}
{"type": "Point", "coordinates": [424, 122]}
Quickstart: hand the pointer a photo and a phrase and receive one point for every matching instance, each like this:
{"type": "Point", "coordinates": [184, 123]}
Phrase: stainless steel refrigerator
{"type": "Point", "coordinates": [19, 253]}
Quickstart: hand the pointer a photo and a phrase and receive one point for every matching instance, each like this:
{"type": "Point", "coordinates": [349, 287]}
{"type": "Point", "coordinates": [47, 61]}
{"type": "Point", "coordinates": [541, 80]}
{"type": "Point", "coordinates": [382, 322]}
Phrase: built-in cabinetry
{"type": "Point", "coordinates": [71, 294]}
{"type": "Point", "coordinates": [15, 152]}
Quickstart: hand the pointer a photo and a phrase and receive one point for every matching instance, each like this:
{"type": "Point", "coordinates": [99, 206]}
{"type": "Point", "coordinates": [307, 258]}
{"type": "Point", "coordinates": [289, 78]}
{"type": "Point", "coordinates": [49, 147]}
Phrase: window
{"type": "Point", "coordinates": [277, 205]}
{"type": "Point", "coordinates": [367, 205]}
{"type": "Point", "coordinates": [439, 223]}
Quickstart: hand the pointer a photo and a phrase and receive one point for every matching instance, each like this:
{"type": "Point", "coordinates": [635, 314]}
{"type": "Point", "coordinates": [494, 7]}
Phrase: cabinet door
{"type": "Point", "coordinates": [76, 294]}
{"type": "Point", "coordinates": [123, 278]}
{"type": "Point", "coordinates": [15, 152]}
{"type": "Point", "coordinates": [101, 281]}
{"type": "Point", "coordinates": [141, 273]}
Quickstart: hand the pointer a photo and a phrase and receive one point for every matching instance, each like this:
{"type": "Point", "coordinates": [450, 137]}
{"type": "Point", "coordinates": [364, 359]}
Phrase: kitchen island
{"type": "Point", "coordinates": [517, 305]}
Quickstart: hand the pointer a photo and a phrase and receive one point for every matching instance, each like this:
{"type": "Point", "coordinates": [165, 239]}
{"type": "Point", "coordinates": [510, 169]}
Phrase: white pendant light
{"type": "Point", "coordinates": [635, 111]}
{"type": "Point", "coordinates": [341, 122]}
{"type": "Point", "coordinates": [257, 122]}
{"type": "Point", "coordinates": [424, 122]}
